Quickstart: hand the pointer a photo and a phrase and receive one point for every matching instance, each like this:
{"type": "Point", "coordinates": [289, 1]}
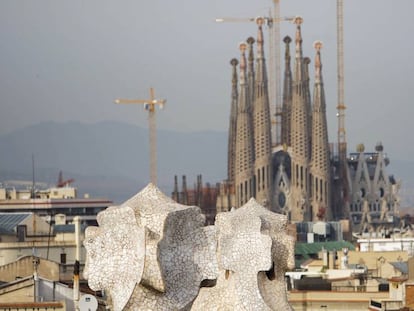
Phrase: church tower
{"type": "Point", "coordinates": [306, 62]}
{"type": "Point", "coordinates": [287, 95]}
{"type": "Point", "coordinates": [250, 72]}
{"type": "Point", "coordinates": [262, 127]}
{"type": "Point", "coordinates": [300, 137]}
{"type": "Point", "coordinates": [231, 148]}
{"type": "Point", "coordinates": [320, 164]}
{"type": "Point", "coordinates": [244, 162]}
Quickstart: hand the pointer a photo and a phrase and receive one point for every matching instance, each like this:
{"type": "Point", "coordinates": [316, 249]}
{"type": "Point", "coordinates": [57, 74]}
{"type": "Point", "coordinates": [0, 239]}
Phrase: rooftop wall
{"type": "Point", "coordinates": [24, 267]}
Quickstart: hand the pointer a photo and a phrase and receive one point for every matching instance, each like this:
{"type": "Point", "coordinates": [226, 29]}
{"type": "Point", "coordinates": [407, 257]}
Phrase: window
{"type": "Point", "coordinates": [63, 258]}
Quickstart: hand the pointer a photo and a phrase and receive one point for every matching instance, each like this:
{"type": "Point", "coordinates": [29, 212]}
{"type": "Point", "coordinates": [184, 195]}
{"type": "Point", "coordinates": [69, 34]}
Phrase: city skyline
{"type": "Point", "coordinates": [69, 61]}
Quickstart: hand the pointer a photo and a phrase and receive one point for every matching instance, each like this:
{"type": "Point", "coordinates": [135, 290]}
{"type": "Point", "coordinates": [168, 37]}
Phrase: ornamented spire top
{"type": "Point", "coordinates": [260, 21]}
{"type": "Point", "coordinates": [298, 38]}
{"type": "Point", "coordinates": [250, 70]}
{"type": "Point", "coordinates": [287, 41]}
{"type": "Point", "coordinates": [318, 64]}
{"type": "Point", "coordinates": [234, 62]}
{"type": "Point", "coordinates": [250, 41]}
{"type": "Point", "coordinates": [242, 47]}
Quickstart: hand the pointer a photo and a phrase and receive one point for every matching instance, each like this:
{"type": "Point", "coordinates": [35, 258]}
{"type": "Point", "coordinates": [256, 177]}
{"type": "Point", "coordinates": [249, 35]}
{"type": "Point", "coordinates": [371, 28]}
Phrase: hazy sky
{"type": "Point", "coordinates": [68, 60]}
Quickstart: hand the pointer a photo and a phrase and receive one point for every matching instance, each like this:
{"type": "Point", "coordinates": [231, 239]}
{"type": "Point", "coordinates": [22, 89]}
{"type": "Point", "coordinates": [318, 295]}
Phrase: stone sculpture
{"type": "Point", "coordinates": [253, 254]}
{"type": "Point", "coordinates": [151, 253]}
{"type": "Point", "coordinates": [116, 250]}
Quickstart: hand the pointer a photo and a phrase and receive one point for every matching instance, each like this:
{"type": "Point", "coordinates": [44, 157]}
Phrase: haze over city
{"type": "Point", "coordinates": [221, 218]}
{"type": "Point", "coordinates": [66, 61]}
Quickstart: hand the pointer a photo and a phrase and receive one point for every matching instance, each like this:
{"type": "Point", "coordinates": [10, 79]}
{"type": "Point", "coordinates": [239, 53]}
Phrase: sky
{"type": "Point", "coordinates": [69, 60]}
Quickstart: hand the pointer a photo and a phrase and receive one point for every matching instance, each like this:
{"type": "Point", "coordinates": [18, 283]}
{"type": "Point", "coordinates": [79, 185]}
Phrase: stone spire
{"type": "Point", "coordinates": [231, 148]}
{"type": "Point", "coordinates": [299, 136]}
{"type": "Point", "coordinates": [320, 170]}
{"type": "Point", "coordinates": [250, 71]}
{"type": "Point", "coordinates": [318, 64]}
{"type": "Point", "coordinates": [261, 74]}
{"type": "Point", "coordinates": [299, 73]}
{"type": "Point", "coordinates": [287, 95]}
{"type": "Point", "coordinates": [306, 62]}
{"type": "Point", "coordinates": [262, 126]}
{"type": "Point", "coordinates": [244, 178]}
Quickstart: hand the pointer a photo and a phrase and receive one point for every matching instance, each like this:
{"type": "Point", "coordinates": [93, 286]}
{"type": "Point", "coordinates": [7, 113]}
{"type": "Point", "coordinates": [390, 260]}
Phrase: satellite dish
{"type": "Point", "coordinates": [88, 303]}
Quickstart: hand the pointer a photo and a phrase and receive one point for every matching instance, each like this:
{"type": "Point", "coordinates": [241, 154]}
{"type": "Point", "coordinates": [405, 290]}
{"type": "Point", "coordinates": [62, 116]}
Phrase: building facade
{"type": "Point", "coordinates": [301, 175]}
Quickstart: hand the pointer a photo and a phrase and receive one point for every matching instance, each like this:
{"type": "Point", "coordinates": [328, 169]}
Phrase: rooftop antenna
{"type": "Point", "coordinates": [32, 192]}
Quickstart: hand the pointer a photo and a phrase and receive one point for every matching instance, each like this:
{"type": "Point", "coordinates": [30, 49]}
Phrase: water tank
{"type": "Point", "coordinates": [60, 219]}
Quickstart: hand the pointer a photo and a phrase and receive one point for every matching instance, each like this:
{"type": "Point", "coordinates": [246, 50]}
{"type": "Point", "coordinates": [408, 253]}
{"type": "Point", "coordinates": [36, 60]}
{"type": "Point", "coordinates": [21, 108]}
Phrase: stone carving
{"type": "Point", "coordinates": [151, 253]}
{"type": "Point", "coordinates": [253, 253]}
{"type": "Point", "coordinates": [116, 250]}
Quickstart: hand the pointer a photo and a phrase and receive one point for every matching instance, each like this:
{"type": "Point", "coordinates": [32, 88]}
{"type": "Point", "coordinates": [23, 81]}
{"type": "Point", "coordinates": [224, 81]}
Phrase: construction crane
{"type": "Point", "coordinates": [275, 95]}
{"type": "Point", "coordinates": [149, 105]}
{"type": "Point", "coordinates": [275, 98]}
{"type": "Point", "coordinates": [340, 63]}
{"type": "Point", "coordinates": [342, 145]}
{"type": "Point", "coordinates": [268, 20]}
{"type": "Point", "coordinates": [62, 182]}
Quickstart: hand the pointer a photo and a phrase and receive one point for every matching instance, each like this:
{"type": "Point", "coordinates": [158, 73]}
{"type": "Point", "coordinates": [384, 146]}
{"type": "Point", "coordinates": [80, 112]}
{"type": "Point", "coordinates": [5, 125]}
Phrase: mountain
{"type": "Point", "coordinates": [110, 158]}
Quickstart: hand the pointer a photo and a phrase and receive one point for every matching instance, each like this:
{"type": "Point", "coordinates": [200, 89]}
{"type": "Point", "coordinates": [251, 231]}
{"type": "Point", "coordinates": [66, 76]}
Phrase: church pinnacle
{"type": "Point", "coordinates": [262, 126]}
{"type": "Point", "coordinates": [244, 179]}
{"type": "Point", "coordinates": [287, 95]}
{"type": "Point", "coordinates": [232, 124]}
{"type": "Point", "coordinates": [298, 49]}
{"type": "Point", "coordinates": [300, 136]}
{"type": "Point", "coordinates": [320, 170]}
{"type": "Point", "coordinates": [318, 64]}
{"type": "Point", "coordinates": [250, 70]}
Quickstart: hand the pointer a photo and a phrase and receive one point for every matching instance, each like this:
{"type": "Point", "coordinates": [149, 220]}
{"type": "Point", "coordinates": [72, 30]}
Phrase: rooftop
{"type": "Point", "coordinates": [9, 221]}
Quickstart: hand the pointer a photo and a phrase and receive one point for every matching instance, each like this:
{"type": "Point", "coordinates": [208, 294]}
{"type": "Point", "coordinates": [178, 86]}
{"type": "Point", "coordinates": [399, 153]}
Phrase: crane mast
{"type": "Point", "coordinates": [149, 105]}
{"type": "Point", "coordinates": [342, 208]}
{"type": "Point", "coordinates": [275, 90]}
{"type": "Point", "coordinates": [340, 62]}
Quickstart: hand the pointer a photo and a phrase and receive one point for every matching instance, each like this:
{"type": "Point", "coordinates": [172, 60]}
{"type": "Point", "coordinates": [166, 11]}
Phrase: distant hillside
{"type": "Point", "coordinates": [110, 159]}
{"type": "Point", "coordinates": [110, 155]}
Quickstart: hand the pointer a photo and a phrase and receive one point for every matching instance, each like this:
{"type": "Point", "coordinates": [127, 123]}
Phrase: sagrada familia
{"type": "Point", "coordinates": [303, 175]}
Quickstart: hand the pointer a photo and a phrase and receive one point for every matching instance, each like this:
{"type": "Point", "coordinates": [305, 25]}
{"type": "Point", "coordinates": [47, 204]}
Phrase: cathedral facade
{"type": "Point", "coordinates": [301, 175]}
